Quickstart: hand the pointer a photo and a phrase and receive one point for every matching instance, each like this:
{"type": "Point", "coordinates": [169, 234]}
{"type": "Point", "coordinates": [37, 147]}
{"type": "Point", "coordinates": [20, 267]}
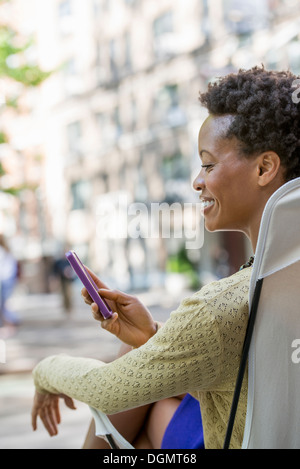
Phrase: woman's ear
{"type": "Point", "coordinates": [268, 168]}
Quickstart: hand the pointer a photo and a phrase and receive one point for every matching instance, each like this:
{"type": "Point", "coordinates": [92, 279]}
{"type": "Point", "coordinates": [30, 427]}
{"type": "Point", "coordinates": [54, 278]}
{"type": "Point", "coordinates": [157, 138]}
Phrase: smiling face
{"type": "Point", "coordinates": [233, 193]}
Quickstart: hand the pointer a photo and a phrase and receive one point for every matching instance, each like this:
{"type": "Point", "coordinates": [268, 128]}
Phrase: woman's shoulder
{"type": "Point", "coordinates": [206, 316]}
{"type": "Point", "coordinates": [237, 282]}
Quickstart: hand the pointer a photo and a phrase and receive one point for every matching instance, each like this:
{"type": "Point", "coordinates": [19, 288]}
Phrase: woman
{"type": "Point", "coordinates": [249, 146]}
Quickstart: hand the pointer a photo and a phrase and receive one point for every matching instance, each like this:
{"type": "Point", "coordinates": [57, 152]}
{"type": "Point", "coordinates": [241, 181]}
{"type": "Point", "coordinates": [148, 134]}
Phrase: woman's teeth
{"type": "Point", "coordinates": [207, 203]}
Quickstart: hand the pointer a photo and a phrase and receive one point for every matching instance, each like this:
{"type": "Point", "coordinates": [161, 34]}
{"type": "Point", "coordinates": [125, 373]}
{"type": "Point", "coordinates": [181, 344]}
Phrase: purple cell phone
{"type": "Point", "coordinates": [89, 284]}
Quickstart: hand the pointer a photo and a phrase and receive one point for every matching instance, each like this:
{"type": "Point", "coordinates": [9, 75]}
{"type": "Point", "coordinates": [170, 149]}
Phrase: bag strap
{"type": "Point", "coordinates": [243, 363]}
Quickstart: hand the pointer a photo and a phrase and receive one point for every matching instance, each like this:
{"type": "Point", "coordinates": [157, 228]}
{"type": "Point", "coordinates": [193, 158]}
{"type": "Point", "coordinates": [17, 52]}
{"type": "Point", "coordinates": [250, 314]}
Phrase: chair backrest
{"type": "Point", "coordinates": [273, 410]}
{"type": "Point", "coordinates": [105, 429]}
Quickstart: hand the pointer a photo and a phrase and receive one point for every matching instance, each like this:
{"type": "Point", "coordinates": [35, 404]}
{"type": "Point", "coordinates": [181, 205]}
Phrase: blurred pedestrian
{"type": "Point", "coordinates": [66, 276]}
{"type": "Point", "coordinates": [8, 280]}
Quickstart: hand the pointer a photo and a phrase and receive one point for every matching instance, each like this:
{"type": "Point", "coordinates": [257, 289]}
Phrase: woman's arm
{"type": "Point", "coordinates": [198, 348]}
{"type": "Point", "coordinates": [181, 357]}
{"type": "Point", "coordinates": [131, 322]}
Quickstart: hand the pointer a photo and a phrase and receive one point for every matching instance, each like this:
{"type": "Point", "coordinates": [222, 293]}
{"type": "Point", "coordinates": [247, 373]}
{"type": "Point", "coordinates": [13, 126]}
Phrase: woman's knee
{"type": "Point", "coordinates": [159, 418]}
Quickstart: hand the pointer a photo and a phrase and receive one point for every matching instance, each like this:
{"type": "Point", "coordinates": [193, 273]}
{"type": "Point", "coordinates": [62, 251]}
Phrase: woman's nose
{"type": "Point", "coordinates": [199, 183]}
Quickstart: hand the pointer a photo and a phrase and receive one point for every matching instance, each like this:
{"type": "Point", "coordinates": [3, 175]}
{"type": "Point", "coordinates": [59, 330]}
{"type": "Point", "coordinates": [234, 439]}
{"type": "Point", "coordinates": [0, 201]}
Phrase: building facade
{"type": "Point", "coordinates": [117, 123]}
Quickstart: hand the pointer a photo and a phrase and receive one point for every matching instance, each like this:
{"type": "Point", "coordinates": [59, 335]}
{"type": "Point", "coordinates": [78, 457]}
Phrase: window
{"type": "Point", "coordinates": [164, 101]}
{"type": "Point", "coordinates": [140, 190]}
{"type": "Point", "coordinates": [117, 123]}
{"type": "Point", "coordinates": [113, 59]}
{"type": "Point", "coordinates": [131, 3]}
{"type": "Point", "coordinates": [166, 108]}
{"type": "Point", "coordinates": [163, 24]}
{"type": "Point", "coordinates": [127, 51]}
{"type": "Point", "coordinates": [291, 5]}
{"type": "Point", "coordinates": [205, 22]}
{"type": "Point", "coordinates": [74, 137]}
{"type": "Point", "coordinates": [102, 69]}
{"type": "Point", "coordinates": [176, 173]}
{"type": "Point", "coordinates": [175, 167]}
{"type": "Point", "coordinates": [106, 128]}
{"type": "Point", "coordinates": [65, 17]}
{"type": "Point", "coordinates": [134, 114]}
{"type": "Point", "coordinates": [72, 79]}
{"type": "Point", "coordinates": [120, 56]}
{"type": "Point", "coordinates": [80, 192]}
{"type": "Point", "coordinates": [98, 53]}
{"type": "Point", "coordinates": [101, 183]}
{"type": "Point", "coordinates": [245, 17]}
{"type": "Point", "coordinates": [273, 58]}
{"type": "Point", "coordinates": [96, 7]}
{"type": "Point", "coordinates": [163, 37]}
{"type": "Point", "coordinates": [293, 55]}
{"type": "Point", "coordinates": [64, 8]}
{"type": "Point", "coordinates": [110, 127]}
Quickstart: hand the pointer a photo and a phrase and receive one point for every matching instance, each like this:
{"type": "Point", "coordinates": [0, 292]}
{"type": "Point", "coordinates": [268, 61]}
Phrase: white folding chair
{"type": "Point", "coordinates": [273, 334]}
{"type": "Point", "coordinates": [105, 429]}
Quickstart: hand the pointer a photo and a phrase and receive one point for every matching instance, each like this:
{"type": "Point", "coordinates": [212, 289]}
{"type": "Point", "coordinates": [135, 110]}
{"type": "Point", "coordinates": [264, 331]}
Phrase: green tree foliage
{"type": "Point", "coordinates": [14, 66]}
{"type": "Point", "coordinates": [27, 74]}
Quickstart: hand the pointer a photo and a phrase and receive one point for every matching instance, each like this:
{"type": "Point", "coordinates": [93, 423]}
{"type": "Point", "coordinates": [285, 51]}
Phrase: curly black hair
{"type": "Point", "coordinates": [266, 118]}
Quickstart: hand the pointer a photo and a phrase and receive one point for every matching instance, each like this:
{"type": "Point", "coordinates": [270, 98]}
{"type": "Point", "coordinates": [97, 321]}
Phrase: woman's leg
{"type": "Point", "coordinates": [143, 427]}
{"type": "Point", "coordinates": [158, 419]}
{"type": "Point", "coordinates": [128, 424]}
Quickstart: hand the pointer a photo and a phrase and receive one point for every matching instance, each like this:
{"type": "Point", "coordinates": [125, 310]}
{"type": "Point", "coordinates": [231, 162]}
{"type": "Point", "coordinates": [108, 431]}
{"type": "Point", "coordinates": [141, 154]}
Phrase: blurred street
{"type": "Point", "coordinates": [44, 330]}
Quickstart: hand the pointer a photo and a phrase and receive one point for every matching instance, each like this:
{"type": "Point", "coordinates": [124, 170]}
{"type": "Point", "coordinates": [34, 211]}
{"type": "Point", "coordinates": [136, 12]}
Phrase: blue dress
{"type": "Point", "coordinates": [185, 430]}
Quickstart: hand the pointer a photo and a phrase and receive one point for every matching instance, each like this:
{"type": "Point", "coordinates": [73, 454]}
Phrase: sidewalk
{"type": "Point", "coordinates": [46, 330]}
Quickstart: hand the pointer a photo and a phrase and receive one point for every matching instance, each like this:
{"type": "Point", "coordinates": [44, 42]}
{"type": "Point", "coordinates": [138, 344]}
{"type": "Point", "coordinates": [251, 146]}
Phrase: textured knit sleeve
{"type": "Point", "coordinates": [184, 356]}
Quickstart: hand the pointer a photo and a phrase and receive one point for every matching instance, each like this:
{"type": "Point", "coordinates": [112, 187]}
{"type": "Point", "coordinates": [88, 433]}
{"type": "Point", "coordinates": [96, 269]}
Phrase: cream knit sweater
{"type": "Point", "coordinates": [197, 351]}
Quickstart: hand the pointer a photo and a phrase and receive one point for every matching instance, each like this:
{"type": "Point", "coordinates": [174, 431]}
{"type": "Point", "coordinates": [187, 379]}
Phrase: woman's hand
{"type": "Point", "coordinates": [46, 406]}
{"type": "Point", "coordinates": [131, 321]}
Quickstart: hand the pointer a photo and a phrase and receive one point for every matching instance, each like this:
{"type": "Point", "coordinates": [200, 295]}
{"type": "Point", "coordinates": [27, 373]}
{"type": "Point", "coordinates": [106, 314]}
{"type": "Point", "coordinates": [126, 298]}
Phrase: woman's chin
{"type": "Point", "coordinates": [211, 226]}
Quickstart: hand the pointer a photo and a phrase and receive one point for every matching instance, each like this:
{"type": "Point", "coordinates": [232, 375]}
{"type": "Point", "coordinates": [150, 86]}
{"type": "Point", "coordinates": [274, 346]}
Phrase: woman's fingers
{"type": "Point", "coordinates": [96, 313]}
{"type": "Point", "coordinates": [69, 402]}
{"type": "Point", "coordinates": [96, 279]}
{"type": "Point", "coordinates": [108, 323]}
{"type": "Point", "coordinates": [86, 297]}
{"type": "Point", "coordinates": [46, 407]}
{"type": "Point", "coordinates": [52, 421]}
{"type": "Point", "coordinates": [48, 418]}
{"type": "Point", "coordinates": [56, 410]}
{"type": "Point", "coordinates": [115, 295]}
{"type": "Point", "coordinates": [98, 316]}
{"type": "Point", "coordinates": [34, 416]}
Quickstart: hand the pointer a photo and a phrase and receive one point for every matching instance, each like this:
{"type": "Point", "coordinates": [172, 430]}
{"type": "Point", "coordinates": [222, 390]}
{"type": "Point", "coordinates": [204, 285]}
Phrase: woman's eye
{"type": "Point", "coordinates": [207, 167]}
